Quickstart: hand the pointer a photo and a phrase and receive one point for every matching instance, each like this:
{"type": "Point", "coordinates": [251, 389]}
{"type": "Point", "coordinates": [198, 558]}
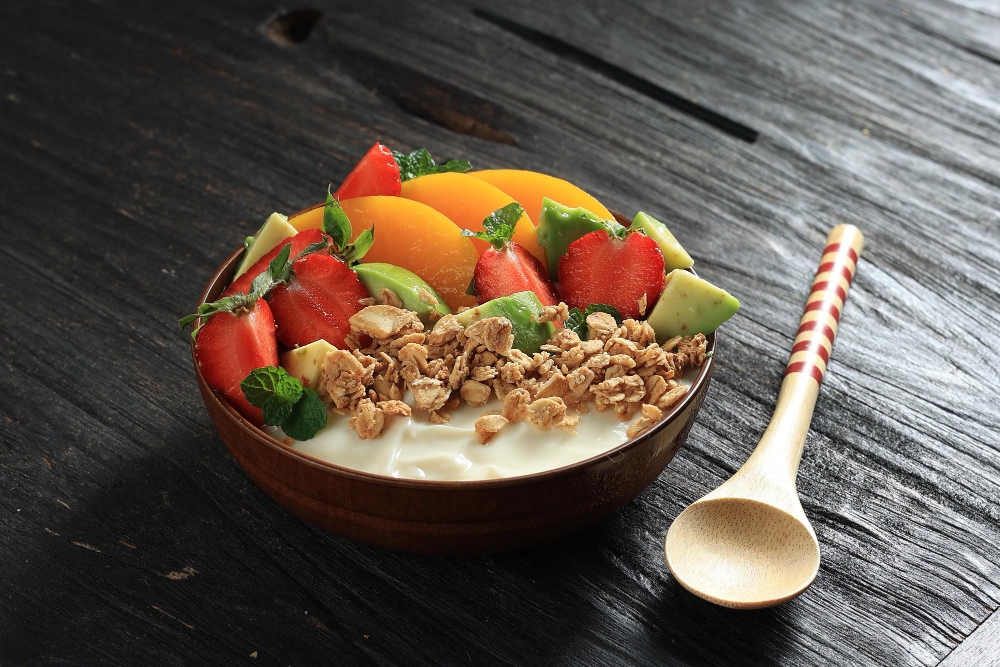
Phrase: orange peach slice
{"type": "Point", "coordinates": [528, 188]}
{"type": "Point", "coordinates": [467, 200]}
{"type": "Point", "coordinates": [411, 235]}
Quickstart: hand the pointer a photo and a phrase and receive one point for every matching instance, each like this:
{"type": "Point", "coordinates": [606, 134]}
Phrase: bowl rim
{"type": "Point", "coordinates": [215, 284]}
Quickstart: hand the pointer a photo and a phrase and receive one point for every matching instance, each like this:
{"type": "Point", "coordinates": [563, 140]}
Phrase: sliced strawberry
{"type": "Point", "coordinates": [376, 174]}
{"type": "Point", "coordinates": [299, 242]}
{"type": "Point", "coordinates": [507, 267]}
{"type": "Point", "coordinates": [317, 302]}
{"type": "Point", "coordinates": [510, 270]}
{"type": "Point", "coordinates": [230, 345]}
{"type": "Point", "coordinates": [602, 268]}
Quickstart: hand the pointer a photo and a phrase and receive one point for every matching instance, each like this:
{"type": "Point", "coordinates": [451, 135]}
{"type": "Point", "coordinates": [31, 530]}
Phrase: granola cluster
{"type": "Point", "coordinates": [618, 367]}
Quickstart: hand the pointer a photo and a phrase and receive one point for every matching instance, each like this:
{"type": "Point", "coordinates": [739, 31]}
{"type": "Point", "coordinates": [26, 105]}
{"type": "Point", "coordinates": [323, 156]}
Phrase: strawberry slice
{"type": "Point", "coordinates": [230, 345]}
{"type": "Point", "coordinates": [299, 242]}
{"type": "Point", "coordinates": [612, 267]}
{"type": "Point", "coordinates": [376, 174]}
{"type": "Point", "coordinates": [317, 301]}
{"type": "Point", "coordinates": [506, 267]}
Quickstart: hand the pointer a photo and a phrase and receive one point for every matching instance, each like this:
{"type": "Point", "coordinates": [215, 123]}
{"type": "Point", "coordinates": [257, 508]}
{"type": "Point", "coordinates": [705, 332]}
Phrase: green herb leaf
{"type": "Point", "coordinates": [285, 402]}
{"type": "Point", "coordinates": [577, 320]}
{"type": "Point", "coordinates": [604, 308]}
{"type": "Point", "coordinates": [335, 221]}
{"type": "Point", "coordinates": [264, 383]}
{"type": "Point", "coordinates": [308, 417]}
{"type": "Point", "coordinates": [420, 163]}
{"type": "Point", "coordinates": [354, 252]}
{"type": "Point", "coordinates": [276, 410]}
{"type": "Point", "coordinates": [499, 225]}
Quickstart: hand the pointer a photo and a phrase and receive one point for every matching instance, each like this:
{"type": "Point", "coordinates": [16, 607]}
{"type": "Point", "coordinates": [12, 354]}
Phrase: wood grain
{"type": "Point", "coordinates": [142, 141]}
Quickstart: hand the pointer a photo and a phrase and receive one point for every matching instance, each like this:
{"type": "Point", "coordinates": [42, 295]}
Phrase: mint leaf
{"type": "Point", "coordinates": [276, 410]}
{"type": "Point", "coordinates": [420, 163]}
{"type": "Point", "coordinates": [603, 308]}
{"type": "Point", "coordinates": [499, 225]}
{"type": "Point", "coordinates": [355, 251]}
{"type": "Point", "coordinates": [577, 320]}
{"type": "Point", "coordinates": [263, 383]}
{"type": "Point", "coordinates": [307, 418]}
{"type": "Point", "coordinates": [335, 221]}
{"type": "Point", "coordinates": [285, 402]}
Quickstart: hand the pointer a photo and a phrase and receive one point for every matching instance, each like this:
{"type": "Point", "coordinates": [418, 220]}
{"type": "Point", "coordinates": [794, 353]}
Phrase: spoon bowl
{"type": "Point", "coordinates": [742, 553]}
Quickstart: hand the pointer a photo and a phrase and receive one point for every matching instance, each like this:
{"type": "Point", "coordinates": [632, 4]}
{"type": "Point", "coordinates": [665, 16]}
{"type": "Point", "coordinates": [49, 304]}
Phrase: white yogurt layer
{"type": "Point", "coordinates": [413, 448]}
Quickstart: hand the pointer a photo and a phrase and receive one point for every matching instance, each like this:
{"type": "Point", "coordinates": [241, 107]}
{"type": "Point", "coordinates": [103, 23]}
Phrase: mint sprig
{"type": "Point", "coordinates": [299, 411]}
{"type": "Point", "coordinates": [577, 320]}
{"type": "Point", "coordinates": [338, 226]}
{"type": "Point", "coordinates": [499, 226]}
{"type": "Point", "coordinates": [420, 163]}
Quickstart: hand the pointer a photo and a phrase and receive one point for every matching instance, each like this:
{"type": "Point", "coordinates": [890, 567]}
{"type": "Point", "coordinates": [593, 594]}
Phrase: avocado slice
{"type": "Point", "coordinates": [674, 255]}
{"type": "Point", "coordinates": [559, 225]}
{"type": "Point", "coordinates": [304, 363]}
{"type": "Point", "coordinates": [275, 230]}
{"type": "Point", "coordinates": [521, 309]}
{"type": "Point", "coordinates": [690, 305]}
{"type": "Point", "coordinates": [411, 289]}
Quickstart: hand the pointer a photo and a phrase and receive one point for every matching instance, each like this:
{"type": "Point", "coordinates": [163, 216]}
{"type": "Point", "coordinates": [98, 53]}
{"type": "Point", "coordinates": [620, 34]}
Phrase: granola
{"type": "Point", "coordinates": [619, 367]}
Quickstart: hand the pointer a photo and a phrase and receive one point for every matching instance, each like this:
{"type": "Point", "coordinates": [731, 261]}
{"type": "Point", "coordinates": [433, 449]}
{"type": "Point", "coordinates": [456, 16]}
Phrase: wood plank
{"type": "Point", "coordinates": [979, 648]}
{"type": "Point", "coordinates": [140, 145]}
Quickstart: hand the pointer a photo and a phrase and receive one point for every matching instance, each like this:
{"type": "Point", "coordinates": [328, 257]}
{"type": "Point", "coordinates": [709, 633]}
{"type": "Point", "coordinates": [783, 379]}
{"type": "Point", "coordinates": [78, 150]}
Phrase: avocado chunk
{"type": "Point", "coordinates": [411, 289]}
{"type": "Point", "coordinates": [305, 363]}
{"type": "Point", "coordinates": [674, 255]}
{"type": "Point", "coordinates": [559, 225]}
{"type": "Point", "coordinates": [521, 309]}
{"type": "Point", "coordinates": [690, 305]}
{"type": "Point", "coordinates": [275, 230]}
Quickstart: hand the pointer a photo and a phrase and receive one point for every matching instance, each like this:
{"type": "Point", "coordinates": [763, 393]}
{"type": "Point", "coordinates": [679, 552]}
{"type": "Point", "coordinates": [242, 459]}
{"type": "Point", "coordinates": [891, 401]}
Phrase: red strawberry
{"type": "Point", "coordinates": [229, 346]}
{"type": "Point", "coordinates": [507, 267]}
{"type": "Point", "coordinates": [376, 174]}
{"type": "Point", "coordinates": [299, 242]}
{"type": "Point", "coordinates": [317, 302]}
{"type": "Point", "coordinates": [600, 267]}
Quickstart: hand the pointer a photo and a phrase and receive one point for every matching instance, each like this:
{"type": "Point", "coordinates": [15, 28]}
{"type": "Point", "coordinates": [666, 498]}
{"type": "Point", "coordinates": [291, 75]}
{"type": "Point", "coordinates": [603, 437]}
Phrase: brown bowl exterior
{"type": "Point", "coordinates": [442, 517]}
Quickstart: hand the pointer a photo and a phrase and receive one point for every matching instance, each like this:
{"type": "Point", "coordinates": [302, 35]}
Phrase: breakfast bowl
{"type": "Point", "coordinates": [450, 517]}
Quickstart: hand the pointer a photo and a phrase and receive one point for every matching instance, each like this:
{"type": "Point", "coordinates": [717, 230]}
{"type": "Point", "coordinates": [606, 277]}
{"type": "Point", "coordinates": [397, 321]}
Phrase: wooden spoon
{"type": "Point", "coordinates": [748, 544]}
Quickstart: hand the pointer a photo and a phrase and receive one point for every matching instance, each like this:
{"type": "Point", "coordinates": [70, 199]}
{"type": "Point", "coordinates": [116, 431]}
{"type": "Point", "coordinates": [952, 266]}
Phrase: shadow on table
{"type": "Point", "coordinates": [170, 555]}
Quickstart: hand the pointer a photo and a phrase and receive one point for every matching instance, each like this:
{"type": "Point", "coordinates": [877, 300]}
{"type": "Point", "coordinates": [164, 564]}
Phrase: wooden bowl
{"type": "Point", "coordinates": [443, 517]}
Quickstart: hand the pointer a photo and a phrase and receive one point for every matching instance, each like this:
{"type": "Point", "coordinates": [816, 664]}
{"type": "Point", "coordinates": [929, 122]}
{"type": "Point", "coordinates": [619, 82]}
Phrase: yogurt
{"type": "Point", "coordinates": [414, 448]}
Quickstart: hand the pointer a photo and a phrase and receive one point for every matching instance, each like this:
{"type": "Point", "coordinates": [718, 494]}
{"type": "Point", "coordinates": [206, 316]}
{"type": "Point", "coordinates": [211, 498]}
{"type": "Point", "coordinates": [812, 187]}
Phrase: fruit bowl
{"type": "Point", "coordinates": [450, 517]}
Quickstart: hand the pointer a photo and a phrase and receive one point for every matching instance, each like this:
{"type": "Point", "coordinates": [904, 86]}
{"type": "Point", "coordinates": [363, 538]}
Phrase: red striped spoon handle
{"type": "Point", "coordinates": [781, 446]}
{"type": "Point", "coordinates": [814, 339]}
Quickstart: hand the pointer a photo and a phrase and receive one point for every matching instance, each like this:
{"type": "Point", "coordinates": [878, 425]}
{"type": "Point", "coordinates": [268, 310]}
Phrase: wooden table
{"type": "Point", "coordinates": [141, 142]}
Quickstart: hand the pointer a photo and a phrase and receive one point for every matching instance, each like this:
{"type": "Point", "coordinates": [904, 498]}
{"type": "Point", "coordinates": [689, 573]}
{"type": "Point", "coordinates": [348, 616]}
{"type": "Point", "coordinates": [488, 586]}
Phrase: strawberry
{"type": "Point", "coordinates": [317, 301]}
{"type": "Point", "coordinates": [376, 174]}
{"type": "Point", "coordinates": [612, 267]}
{"type": "Point", "coordinates": [506, 267]}
{"type": "Point", "coordinates": [298, 243]}
{"type": "Point", "coordinates": [230, 345]}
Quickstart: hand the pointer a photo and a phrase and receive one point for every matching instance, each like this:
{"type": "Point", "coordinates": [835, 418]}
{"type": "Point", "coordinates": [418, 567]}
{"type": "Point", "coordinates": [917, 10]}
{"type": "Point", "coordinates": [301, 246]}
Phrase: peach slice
{"type": "Point", "coordinates": [467, 200]}
{"type": "Point", "coordinates": [528, 188]}
{"type": "Point", "coordinates": [411, 235]}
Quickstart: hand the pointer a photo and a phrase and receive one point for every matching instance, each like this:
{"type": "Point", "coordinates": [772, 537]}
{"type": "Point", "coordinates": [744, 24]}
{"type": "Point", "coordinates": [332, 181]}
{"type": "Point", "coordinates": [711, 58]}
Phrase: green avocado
{"type": "Point", "coordinates": [521, 309]}
{"type": "Point", "coordinates": [559, 225]}
{"type": "Point", "coordinates": [411, 289]}
{"type": "Point", "coordinates": [690, 305]}
{"type": "Point", "coordinates": [674, 255]}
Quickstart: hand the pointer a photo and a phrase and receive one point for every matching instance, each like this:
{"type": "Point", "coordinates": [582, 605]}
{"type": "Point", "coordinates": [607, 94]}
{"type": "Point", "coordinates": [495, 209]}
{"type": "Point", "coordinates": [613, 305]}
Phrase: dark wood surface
{"type": "Point", "coordinates": [140, 141]}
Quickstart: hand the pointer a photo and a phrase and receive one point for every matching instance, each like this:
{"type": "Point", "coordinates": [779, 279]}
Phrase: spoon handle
{"type": "Point", "coordinates": [780, 449]}
{"type": "Point", "coordinates": [818, 326]}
